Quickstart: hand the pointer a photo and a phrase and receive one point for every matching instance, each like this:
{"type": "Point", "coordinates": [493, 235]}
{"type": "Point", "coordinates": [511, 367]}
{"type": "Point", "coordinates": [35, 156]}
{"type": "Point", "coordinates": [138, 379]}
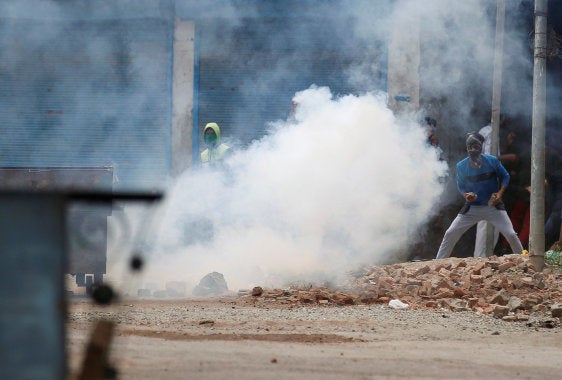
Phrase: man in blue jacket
{"type": "Point", "coordinates": [481, 180]}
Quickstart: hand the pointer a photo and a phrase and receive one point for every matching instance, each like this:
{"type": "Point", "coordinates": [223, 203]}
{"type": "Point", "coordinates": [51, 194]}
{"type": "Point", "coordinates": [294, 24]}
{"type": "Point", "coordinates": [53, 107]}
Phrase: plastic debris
{"type": "Point", "coordinates": [553, 258]}
{"type": "Point", "coordinates": [397, 304]}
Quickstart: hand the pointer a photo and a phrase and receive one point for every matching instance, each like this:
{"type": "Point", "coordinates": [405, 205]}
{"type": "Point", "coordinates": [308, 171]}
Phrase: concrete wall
{"type": "Point", "coordinates": [182, 96]}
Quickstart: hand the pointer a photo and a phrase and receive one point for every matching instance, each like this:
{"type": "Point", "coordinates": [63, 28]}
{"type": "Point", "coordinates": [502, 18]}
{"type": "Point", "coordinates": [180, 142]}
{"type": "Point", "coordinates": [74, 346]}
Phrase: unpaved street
{"type": "Point", "coordinates": [224, 338]}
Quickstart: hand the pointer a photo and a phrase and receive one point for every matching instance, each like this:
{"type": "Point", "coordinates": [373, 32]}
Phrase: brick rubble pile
{"type": "Point", "coordinates": [506, 287]}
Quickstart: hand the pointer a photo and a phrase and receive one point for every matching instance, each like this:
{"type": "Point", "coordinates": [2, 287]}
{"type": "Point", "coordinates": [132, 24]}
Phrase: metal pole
{"type": "Point", "coordinates": [536, 241]}
{"type": "Point", "coordinates": [33, 246]}
{"type": "Point", "coordinates": [496, 103]}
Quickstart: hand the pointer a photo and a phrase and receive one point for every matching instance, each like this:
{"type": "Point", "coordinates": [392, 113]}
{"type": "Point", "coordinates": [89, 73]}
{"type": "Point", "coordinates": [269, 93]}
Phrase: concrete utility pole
{"type": "Point", "coordinates": [403, 79]}
{"type": "Point", "coordinates": [496, 103]}
{"type": "Point", "coordinates": [497, 77]}
{"type": "Point", "coordinates": [183, 97]}
{"type": "Point", "coordinates": [536, 241]}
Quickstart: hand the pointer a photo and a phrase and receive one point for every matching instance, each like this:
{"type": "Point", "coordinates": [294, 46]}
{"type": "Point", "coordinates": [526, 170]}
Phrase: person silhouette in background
{"type": "Point", "coordinates": [200, 229]}
{"type": "Point", "coordinates": [433, 140]}
{"type": "Point", "coordinates": [430, 126]}
{"type": "Point", "coordinates": [517, 161]}
{"type": "Point", "coordinates": [481, 180]}
{"type": "Point", "coordinates": [215, 151]}
{"type": "Point", "coordinates": [553, 175]}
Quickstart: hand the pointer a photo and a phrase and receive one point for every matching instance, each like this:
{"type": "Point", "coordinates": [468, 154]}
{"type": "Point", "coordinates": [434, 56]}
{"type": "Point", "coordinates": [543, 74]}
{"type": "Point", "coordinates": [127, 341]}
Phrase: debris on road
{"type": "Point", "coordinates": [507, 287]}
{"type": "Point", "coordinates": [212, 284]}
{"type": "Point", "coordinates": [397, 304]}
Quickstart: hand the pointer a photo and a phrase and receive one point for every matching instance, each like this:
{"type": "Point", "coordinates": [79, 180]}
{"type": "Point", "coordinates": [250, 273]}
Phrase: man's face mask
{"type": "Point", "coordinates": [474, 151]}
{"type": "Point", "coordinates": [211, 139]}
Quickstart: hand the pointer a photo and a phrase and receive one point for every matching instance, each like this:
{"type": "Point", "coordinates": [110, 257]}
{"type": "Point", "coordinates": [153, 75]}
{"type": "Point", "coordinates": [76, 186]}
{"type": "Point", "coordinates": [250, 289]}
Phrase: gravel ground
{"type": "Point", "coordinates": [222, 338]}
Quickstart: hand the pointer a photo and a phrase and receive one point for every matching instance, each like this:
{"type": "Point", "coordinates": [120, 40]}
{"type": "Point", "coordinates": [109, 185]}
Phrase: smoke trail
{"type": "Point", "coordinates": [343, 183]}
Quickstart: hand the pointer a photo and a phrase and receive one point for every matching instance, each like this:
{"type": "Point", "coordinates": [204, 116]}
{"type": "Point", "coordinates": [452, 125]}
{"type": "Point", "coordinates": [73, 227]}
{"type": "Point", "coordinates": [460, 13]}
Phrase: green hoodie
{"type": "Point", "coordinates": [216, 152]}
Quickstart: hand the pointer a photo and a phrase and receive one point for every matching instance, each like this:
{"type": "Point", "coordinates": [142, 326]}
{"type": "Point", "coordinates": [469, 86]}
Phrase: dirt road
{"type": "Point", "coordinates": [226, 339]}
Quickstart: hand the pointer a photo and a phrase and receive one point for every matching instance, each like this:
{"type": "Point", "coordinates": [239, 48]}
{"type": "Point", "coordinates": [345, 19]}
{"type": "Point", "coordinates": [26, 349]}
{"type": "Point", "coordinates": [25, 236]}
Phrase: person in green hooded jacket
{"type": "Point", "coordinates": [216, 151]}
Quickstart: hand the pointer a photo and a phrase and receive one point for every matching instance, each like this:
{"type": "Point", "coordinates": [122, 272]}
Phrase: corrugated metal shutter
{"type": "Point", "coordinates": [87, 93]}
{"type": "Point", "coordinates": [240, 86]}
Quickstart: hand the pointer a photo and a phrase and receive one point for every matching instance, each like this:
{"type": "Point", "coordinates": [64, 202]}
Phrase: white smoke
{"type": "Point", "coordinates": [343, 183]}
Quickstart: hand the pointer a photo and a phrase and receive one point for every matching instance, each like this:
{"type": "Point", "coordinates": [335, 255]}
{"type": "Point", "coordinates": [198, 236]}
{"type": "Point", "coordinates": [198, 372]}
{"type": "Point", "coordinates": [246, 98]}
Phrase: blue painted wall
{"type": "Point", "coordinates": [88, 83]}
{"type": "Point", "coordinates": [87, 93]}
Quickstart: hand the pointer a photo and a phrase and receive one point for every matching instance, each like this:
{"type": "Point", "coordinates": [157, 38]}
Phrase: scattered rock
{"type": "Point", "coordinates": [500, 311]}
{"type": "Point", "coordinates": [515, 303]}
{"type": "Point", "coordinates": [505, 266]}
{"type": "Point", "coordinates": [458, 305]}
{"type": "Point", "coordinates": [212, 284]}
{"type": "Point", "coordinates": [257, 291]}
{"type": "Point", "coordinates": [498, 286]}
{"type": "Point", "coordinates": [556, 310]}
{"type": "Point", "coordinates": [501, 298]}
{"type": "Point", "coordinates": [548, 323]}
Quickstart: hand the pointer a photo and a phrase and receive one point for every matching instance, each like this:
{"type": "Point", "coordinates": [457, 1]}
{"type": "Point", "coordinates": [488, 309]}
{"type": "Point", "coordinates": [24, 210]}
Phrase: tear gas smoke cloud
{"type": "Point", "coordinates": [457, 42]}
{"type": "Point", "coordinates": [343, 183]}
